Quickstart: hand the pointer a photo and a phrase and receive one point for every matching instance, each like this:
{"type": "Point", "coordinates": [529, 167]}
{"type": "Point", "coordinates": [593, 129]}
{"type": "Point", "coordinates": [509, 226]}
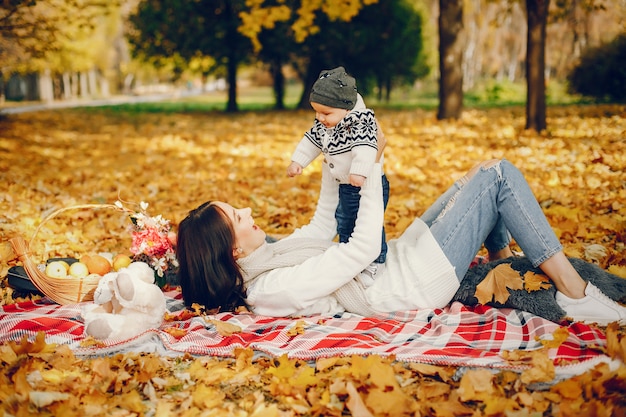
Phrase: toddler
{"type": "Point", "coordinates": [345, 132]}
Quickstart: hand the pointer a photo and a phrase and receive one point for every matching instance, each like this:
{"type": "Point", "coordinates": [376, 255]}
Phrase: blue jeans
{"type": "Point", "coordinates": [495, 204]}
{"type": "Point", "coordinates": [347, 211]}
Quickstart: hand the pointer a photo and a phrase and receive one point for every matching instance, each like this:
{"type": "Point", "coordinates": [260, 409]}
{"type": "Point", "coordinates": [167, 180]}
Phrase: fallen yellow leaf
{"type": "Point", "coordinates": [496, 285]}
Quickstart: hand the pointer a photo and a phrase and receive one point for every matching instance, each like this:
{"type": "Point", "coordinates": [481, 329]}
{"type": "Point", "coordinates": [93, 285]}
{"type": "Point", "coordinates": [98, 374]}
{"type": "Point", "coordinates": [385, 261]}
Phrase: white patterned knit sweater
{"type": "Point", "coordinates": [349, 148]}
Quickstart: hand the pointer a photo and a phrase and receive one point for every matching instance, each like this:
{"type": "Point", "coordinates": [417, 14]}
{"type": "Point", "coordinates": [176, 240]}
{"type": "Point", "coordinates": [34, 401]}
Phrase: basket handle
{"type": "Point", "coordinates": [20, 247]}
{"type": "Point", "coordinates": [76, 207]}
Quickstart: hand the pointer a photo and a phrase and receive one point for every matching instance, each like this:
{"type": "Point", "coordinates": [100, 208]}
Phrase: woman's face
{"type": "Point", "coordinates": [328, 116]}
{"type": "Point", "coordinates": [248, 236]}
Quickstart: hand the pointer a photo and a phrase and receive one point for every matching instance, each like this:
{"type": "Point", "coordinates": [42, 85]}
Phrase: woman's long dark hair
{"type": "Point", "coordinates": [208, 272]}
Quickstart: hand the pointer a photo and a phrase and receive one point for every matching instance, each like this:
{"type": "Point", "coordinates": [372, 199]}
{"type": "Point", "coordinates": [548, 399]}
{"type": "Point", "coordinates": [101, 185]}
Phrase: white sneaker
{"type": "Point", "coordinates": [594, 307]}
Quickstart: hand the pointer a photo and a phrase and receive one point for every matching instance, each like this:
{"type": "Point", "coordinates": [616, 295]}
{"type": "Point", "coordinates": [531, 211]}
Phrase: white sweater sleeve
{"type": "Point", "coordinates": [323, 225]}
{"type": "Point", "coordinates": [363, 157]}
{"type": "Point", "coordinates": [305, 152]}
{"type": "Point", "coordinates": [289, 291]}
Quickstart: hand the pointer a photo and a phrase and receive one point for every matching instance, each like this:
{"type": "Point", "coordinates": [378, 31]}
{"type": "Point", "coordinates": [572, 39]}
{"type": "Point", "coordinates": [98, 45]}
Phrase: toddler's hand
{"type": "Point", "coordinates": [294, 169]}
{"type": "Point", "coordinates": [357, 180]}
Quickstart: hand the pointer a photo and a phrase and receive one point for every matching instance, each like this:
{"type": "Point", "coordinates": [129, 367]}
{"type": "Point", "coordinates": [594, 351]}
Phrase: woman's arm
{"type": "Point", "coordinates": [323, 224]}
{"type": "Point", "coordinates": [286, 291]}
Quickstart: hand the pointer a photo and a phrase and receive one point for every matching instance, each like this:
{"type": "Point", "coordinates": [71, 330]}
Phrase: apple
{"type": "Point", "coordinates": [78, 270]}
{"type": "Point", "coordinates": [57, 269]}
{"type": "Point", "coordinates": [65, 264]}
{"type": "Point", "coordinates": [121, 260]}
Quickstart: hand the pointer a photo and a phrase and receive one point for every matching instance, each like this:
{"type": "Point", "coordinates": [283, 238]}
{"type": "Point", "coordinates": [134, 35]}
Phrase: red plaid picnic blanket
{"type": "Point", "coordinates": [457, 335]}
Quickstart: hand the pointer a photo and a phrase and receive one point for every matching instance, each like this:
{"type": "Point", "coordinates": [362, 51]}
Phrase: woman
{"type": "Point", "coordinates": [226, 262]}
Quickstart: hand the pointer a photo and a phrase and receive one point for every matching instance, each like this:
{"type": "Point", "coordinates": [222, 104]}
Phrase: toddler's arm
{"type": "Point", "coordinates": [294, 169]}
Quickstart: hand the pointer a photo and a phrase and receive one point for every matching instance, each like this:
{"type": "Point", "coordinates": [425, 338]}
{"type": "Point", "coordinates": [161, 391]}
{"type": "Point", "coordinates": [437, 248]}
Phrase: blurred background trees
{"type": "Point", "coordinates": [63, 45]}
{"type": "Point", "coordinates": [62, 49]}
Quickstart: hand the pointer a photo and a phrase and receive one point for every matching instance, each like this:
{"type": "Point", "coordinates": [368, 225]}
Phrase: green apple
{"type": "Point", "coordinates": [57, 269]}
{"type": "Point", "coordinates": [78, 270]}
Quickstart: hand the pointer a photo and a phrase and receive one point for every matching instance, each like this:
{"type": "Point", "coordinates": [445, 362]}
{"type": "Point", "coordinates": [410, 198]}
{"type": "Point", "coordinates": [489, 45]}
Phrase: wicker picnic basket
{"type": "Point", "coordinates": [61, 290]}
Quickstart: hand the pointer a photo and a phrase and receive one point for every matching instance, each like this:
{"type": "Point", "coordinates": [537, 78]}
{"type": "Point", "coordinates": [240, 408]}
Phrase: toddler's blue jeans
{"type": "Point", "coordinates": [347, 210]}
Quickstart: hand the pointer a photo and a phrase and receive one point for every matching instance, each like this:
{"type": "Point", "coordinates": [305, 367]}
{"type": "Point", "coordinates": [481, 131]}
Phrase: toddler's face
{"type": "Point", "coordinates": [328, 116]}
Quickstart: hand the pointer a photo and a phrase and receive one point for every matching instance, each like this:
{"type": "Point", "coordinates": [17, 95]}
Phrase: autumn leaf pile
{"type": "Point", "coordinates": [174, 162]}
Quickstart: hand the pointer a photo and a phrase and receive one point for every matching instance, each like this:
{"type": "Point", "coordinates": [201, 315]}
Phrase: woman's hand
{"type": "Point", "coordinates": [381, 140]}
{"type": "Point", "coordinates": [357, 180]}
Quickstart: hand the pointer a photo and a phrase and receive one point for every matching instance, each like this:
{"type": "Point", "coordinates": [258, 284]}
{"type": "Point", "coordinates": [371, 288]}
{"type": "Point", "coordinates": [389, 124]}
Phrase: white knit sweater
{"type": "Point", "coordinates": [305, 273]}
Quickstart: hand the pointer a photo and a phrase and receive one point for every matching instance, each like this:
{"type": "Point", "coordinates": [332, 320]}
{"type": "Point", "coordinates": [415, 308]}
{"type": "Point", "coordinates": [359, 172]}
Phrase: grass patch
{"type": "Point", "coordinates": [423, 95]}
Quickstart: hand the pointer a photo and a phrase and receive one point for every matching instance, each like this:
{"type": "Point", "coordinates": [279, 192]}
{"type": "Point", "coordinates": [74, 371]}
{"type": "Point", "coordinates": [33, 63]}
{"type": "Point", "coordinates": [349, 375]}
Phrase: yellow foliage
{"type": "Point", "coordinates": [178, 161]}
{"type": "Point", "coordinates": [264, 16]}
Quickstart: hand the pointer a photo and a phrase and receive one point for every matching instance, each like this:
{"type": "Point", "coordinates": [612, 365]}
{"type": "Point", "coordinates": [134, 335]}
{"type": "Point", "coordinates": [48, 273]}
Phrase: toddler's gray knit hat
{"type": "Point", "coordinates": [334, 88]}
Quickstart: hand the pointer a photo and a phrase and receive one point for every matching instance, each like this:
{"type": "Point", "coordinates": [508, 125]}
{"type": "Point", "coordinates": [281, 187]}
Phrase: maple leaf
{"type": "Point", "coordinates": [243, 358]}
{"type": "Point", "coordinates": [385, 397]}
{"type": "Point", "coordinates": [297, 328]}
{"type": "Point", "coordinates": [325, 363]}
{"type": "Point", "coordinates": [355, 403]}
{"type": "Point", "coordinates": [476, 385]}
{"type": "Point", "coordinates": [7, 354]}
{"type": "Point", "coordinates": [286, 368]}
{"type": "Point", "coordinates": [568, 389]}
{"type": "Point", "coordinates": [446, 374]}
{"type": "Point", "coordinates": [182, 315]}
{"type": "Point", "coordinates": [176, 332]}
{"type": "Point", "coordinates": [618, 270]}
{"type": "Point", "coordinates": [536, 282]}
{"type": "Point", "coordinates": [496, 285]}
{"type": "Point", "coordinates": [224, 328]}
{"type": "Point", "coordinates": [542, 369]}
{"type": "Point", "coordinates": [304, 377]}
{"type": "Point", "coordinates": [559, 336]}
{"type": "Point", "coordinates": [616, 342]}
{"type": "Point", "coordinates": [431, 389]}
{"type": "Point", "coordinates": [39, 345]}
{"type": "Point", "coordinates": [43, 399]}
{"type": "Point", "coordinates": [206, 397]}
{"type": "Point", "coordinates": [91, 341]}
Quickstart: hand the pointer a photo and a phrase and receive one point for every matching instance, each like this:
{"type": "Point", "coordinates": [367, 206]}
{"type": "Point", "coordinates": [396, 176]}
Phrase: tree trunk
{"type": "Point", "coordinates": [92, 80]}
{"type": "Point", "coordinates": [231, 69]}
{"type": "Point", "coordinates": [388, 90]}
{"type": "Point", "coordinates": [105, 90]}
{"type": "Point", "coordinates": [312, 72]}
{"type": "Point", "coordinates": [278, 78]}
{"type": "Point", "coordinates": [537, 11]}
{"type": "Point", "coordinates": [450, 59]}
{"type": "Point", "coordinates": [46, 91]}
{"type": "Point", "coordinates": [75, 85]}
{"type": "Point", "coordinates": [66, 87]}
{"type": "Point", "coordinates": [84, 85]}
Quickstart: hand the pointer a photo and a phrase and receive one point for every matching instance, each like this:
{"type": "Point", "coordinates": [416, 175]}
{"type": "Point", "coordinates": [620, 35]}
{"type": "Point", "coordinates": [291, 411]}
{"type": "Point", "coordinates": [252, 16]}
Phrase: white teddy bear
{"type": "Point", "coordinates": [126, 303]}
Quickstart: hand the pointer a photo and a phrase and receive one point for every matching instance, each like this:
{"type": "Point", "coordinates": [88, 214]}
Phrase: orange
{"type": "Point", "coordinates": [97, 264]}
